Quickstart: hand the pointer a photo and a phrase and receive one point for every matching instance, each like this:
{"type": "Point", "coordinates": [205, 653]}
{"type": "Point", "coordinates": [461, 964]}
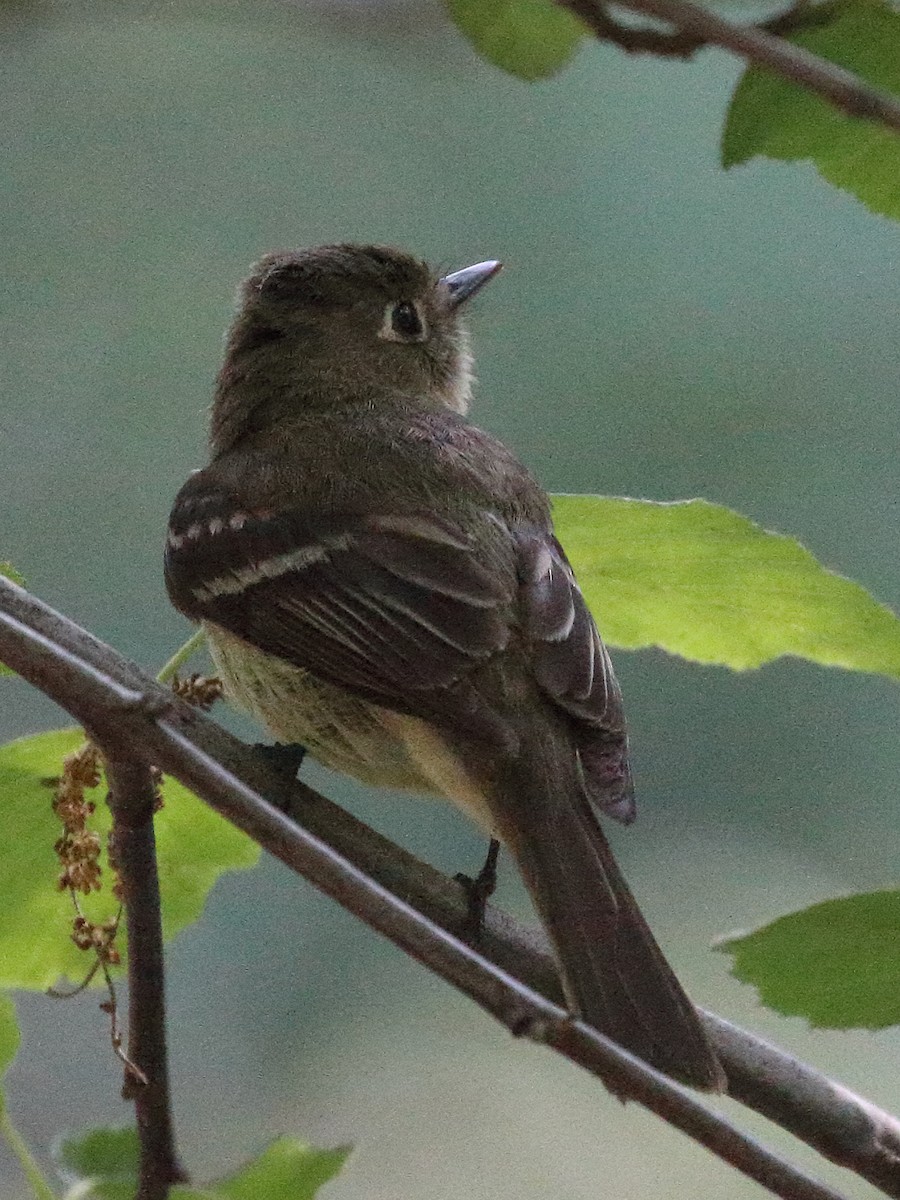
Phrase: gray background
{"type": "Point", "coordinates": [663, 329]}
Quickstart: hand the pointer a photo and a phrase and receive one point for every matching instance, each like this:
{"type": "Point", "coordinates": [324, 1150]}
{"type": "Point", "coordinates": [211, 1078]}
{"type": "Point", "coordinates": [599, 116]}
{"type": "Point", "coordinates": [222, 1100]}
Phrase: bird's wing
{"type": "Point", "coordinates": [573, 668]}
{"type": "Point", "coordinates": [394, 608]}
{"type": "Point", "coordinates": [399, 609]}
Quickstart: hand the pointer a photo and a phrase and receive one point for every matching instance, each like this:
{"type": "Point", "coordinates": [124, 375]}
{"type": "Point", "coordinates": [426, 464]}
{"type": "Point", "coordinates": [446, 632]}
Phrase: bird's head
{"type": "Point", "coordinates": [344, 325]}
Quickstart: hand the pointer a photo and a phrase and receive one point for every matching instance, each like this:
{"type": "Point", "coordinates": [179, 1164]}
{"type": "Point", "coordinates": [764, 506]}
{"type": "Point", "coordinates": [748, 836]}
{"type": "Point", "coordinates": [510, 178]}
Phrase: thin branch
{"type": "Point", "coordinates": [845, 1128]}
{"type": "Point", "coordinates": [698, 26]}
{"type": "Point", "coordinates": [132, 800]}
{"type": "Point", "coordinates": [153, 724]}
{"type": "Point", "coordinates": [679, 43]}
{"type": "Point", "coordinates": [110, 1006]}
{"type": "Point", "coordinates": [181, 655]}
{"type": "Point", "coordinates": [367, 874]}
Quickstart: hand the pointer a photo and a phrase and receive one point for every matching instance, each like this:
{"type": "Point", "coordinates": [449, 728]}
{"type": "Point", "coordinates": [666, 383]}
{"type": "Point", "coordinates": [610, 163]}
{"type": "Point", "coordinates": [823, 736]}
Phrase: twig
{"type": "Point", "coordinates": [99, 687]}
{"type": "Point", "coordinates": [132, 798]}
{"type": "Point", "coordinates": [680, 43]}
{"type": "Point", "coordinates": [159, 729]}
{"type": "Point", "coordinates": [180, 657]}
{"type": "Point", "coordinates": [698, 26]}
{"type": "Point", "coordinates": [839, 1124]}
{"type": "Point", "coordinates": [69, 993]}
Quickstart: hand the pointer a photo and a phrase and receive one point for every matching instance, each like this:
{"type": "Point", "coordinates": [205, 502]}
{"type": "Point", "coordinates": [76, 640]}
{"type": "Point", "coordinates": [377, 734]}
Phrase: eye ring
{"type": "Point", "coordinates": [403, 322]}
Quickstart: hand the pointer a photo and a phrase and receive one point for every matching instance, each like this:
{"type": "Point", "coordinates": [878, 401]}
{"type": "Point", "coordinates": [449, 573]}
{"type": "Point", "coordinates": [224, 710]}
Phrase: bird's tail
{"type": "Point", "coordinates": [614, 975]}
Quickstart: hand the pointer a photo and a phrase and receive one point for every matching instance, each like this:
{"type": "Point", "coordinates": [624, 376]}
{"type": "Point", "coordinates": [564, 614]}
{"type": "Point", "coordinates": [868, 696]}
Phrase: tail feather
{"type": "Point", "coordinates": [614, 974]}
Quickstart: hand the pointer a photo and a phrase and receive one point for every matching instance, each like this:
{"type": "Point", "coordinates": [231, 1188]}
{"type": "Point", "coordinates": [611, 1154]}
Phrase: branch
{"type": "Point", "coordinates": [132, 799]}
{"type": "Point", "coordinates": [680, 43]}
{"type": "Point", "coordinates": [698, 26]}
{"type": "Point", "coordinates": [367, 874]}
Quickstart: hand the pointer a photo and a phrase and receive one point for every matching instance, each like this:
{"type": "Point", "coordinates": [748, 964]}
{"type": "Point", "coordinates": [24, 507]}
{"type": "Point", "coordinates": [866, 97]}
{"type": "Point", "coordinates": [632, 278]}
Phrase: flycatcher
{"type": "Point", "coordinates": [380, 582]}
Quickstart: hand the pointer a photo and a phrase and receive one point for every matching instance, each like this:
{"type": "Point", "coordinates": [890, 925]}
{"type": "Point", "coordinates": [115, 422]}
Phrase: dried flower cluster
{"type": "Point", "coordinates": [78, 849]}
{"type": "Point", "coordinates": [99, 936]}
{"type": "Point", "coordinates": [200, 690]}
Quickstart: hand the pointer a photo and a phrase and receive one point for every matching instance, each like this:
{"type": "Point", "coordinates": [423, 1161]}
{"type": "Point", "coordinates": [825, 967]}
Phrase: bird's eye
{"type": "Point", "coordinates": [404, 322]}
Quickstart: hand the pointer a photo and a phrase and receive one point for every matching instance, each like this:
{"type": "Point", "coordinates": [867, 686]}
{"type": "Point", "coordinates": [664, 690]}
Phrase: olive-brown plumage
{"type": "Point", "coordinates": [380, 582]}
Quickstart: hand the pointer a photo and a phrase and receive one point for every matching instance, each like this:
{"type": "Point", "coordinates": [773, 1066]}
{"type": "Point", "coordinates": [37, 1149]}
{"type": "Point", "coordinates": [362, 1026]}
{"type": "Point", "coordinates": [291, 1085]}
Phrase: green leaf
{"type": "Point", "coordinates": [837, 964]}
{"type": "Point", "coordinates": [101, 1164]}
{"type": "Point", "coordinates": [9, 1038]}
{"type": "Point", "coordinates": [9, 572]}
{"type": "Point", "coordinates": [286, 1170]}
{"type": "Point", "coordinates": [104, 1163]}
{"type": "Point", "coordinates": [528, 38]}
{"type": "Point", "coordinates": [194, 846]}
{"type": "Point", "coordinates": [9, 1033]}
{"type": "Point", "coordinates": [706, 583]}
{"type": "Point", "coordinates": [778, 119]}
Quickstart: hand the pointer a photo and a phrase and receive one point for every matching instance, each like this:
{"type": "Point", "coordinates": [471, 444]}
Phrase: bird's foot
{"type": "Point", "coordinates": [285, 758]}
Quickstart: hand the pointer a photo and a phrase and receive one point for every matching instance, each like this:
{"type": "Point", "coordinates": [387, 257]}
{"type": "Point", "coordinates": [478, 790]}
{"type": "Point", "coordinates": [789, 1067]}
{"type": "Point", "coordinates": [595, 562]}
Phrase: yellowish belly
{"type": "Point", "coordinates": [355, 737]}
{"type": "Point", "coordinates": [341, 732]}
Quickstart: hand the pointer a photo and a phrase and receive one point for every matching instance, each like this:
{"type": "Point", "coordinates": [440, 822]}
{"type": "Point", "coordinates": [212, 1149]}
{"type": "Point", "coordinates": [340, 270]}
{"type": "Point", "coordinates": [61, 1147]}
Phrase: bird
{"type": "Point", "coordinates": [380, 581]}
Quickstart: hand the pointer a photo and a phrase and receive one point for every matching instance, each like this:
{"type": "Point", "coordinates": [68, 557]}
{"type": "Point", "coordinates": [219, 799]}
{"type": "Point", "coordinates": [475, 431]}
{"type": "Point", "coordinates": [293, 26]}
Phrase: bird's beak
{"type": "Point", "coordinates": [465, 283]}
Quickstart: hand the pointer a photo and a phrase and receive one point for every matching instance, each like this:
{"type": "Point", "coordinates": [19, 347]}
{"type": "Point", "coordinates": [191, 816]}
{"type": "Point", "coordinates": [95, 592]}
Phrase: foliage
{"type": "Point", "coordinates": [528, 38]}
{"type": "Point", "coordinates": [102, 1164]}
{"type": "Point", "coordinates": [708, 584]}
{"type": "Point", "coordinates": [9, 1037]}
{"type": "Point", "coordinates": [837, 963]}
{"type": "Point", "coordinates": [693, 578]}
{"type": "Point", "coordinates": [195, 846]}
{"type": "Point", "coordinates": [769, 115]}
{"type": "Point", "coordinates": [704, 582]}
{"type": "Point", "coordinates": [773, 117]}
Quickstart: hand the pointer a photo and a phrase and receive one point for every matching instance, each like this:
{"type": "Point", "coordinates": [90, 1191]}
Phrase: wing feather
{"type": "Point", "coordinates": [402, 608]}
{"type": "Point", "coordinates": [380, 604]}
{"type": "Point", "coordinates": [573, 668]}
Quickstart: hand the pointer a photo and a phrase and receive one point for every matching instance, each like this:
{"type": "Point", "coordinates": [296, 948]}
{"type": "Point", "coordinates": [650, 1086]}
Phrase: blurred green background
{"type": "Point", "coordinates": [663, 329]}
